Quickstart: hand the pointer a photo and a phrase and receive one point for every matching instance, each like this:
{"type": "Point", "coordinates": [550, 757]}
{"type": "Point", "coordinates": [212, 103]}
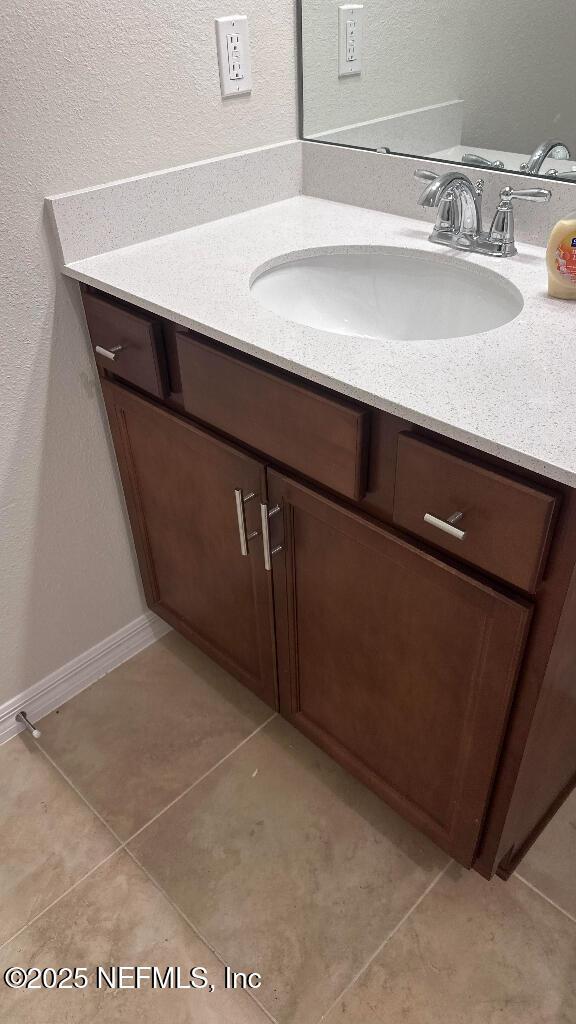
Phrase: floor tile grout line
{"type": "Point", "coordinates": [61, 897]}
{"type": "Point", "coordinates": [201, 778]}
{"type": "Point", "coordinates": [385, 942]}
{"type": "Point", "coordinates": [193, 927]}
{"type": "Point", "coordinates": [79, 793]}
{"type": "Point", "coordinates": [122, 844]}
{"type": "Point", "coordinates": [545, 897]}
{"type": "Point", "coordinates": [123, 847]}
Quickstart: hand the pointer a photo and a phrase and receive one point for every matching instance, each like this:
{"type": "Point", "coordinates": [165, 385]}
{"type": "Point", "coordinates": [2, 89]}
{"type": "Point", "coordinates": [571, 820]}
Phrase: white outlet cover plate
{"type": "Point", "coordinates": [235, 70]}
{"type": "Point", "coordinates": [353, 13]}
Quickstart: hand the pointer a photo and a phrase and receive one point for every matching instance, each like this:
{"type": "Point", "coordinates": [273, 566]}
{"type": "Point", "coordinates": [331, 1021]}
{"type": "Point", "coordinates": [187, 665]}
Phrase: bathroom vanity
{"type": "Point", "coordinates": [405, 599]}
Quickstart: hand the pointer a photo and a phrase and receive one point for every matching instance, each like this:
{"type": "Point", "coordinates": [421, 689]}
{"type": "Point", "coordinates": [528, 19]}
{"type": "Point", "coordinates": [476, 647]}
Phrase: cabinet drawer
{"type": "Point", "coordinates": [324, 438]}
{"type": "Point", "coordinates": [504, 527]}
{"type": "Point", "coordinates": [134, 341]}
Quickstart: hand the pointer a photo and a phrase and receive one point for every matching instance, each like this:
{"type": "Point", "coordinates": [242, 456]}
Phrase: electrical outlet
{"type": "Point", "coordinates": [350, 39]}
{"type": "Point", "coordinates": [233, 45]}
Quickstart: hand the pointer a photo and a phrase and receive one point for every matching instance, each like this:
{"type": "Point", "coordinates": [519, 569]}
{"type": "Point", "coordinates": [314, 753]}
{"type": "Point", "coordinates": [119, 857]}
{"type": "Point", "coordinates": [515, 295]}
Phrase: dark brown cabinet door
{"type": "Point", "coordinates": [400, 666]}
{"type": "Point", "coordinates": [180, 484]}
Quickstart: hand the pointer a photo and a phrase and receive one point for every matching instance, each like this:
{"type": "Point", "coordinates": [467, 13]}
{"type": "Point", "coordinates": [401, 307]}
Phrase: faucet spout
{"type": "Point", "coordinates": [455, 189]}
{"type": "Point", "coordinates": [534, 164]}
{"type": "Point", "coordinates": [433, 192]}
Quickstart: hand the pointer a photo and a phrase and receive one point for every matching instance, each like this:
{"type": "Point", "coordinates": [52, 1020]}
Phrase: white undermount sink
{"type": "Point", "coordinates": [386, 292]}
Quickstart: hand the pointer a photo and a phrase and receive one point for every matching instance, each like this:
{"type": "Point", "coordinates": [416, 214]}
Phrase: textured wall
{"type": "Point", "coordinates": [92, 90]}
{"type": "Point", "coordinates": [510, 61]}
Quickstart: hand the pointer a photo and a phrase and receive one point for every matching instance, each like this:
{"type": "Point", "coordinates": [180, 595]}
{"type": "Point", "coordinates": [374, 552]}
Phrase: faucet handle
{"type": "Point", "coordinates": [564, 175]}
{"type": "Point", "coordinates": [425, 175]}
{"type": "Point", "coordinates": [481, 161]}
{"type": "Point", "coordinates": [531, 195]}
{"type": "Point", "coordinates": [500, 240]}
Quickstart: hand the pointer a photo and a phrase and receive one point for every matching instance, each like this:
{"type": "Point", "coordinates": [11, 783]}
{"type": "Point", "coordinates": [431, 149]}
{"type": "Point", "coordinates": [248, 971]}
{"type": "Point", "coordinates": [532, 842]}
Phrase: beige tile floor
{"type": "Point", "coordinates": [167, 818]}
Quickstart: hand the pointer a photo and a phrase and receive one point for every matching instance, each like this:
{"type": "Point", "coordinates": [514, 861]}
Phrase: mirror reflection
{"type": "Point", "coordinates": [485, 84]}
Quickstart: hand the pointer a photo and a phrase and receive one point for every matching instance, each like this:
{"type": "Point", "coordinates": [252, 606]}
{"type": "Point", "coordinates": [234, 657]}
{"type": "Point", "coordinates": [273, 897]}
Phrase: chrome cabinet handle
{"type": "Point", "coordinates": [265, 516]}
{"type": "Point", "coordinates": [447, 525]}
{"type": "Point", "coordinates": [109, 353]}
{"type": "Point", "coordinates": [241, 516]}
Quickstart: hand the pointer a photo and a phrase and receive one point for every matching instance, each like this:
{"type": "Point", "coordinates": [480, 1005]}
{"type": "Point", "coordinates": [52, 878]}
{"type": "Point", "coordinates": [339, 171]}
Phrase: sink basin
{"type": "Point", "coordinates": [386, 292]}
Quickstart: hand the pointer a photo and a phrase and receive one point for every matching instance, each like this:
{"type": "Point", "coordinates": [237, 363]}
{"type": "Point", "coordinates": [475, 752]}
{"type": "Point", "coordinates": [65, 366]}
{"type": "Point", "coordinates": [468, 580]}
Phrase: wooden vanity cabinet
{"type": "Point", "coordinates": [400, 666]}
{"type": "Point", "coordinates": [180, 484]}
{"type": "Point", "coordinates": [440, 671]}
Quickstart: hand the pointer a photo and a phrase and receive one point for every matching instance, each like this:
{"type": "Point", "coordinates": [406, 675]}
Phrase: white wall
{"type": "Point", "coordinates": [92, 90]}
{"type": "Point", "coordinates": [510, 61]}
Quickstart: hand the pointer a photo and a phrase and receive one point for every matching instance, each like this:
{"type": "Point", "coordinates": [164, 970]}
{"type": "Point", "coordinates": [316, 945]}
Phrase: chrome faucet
{"type": "Point", "coordinates": [459, 220]}
{"type": "Point", "coordinates": [560, 152]}
{"type": "Point", "coordinates": [459, 202]}
{"type": "Point", "coordinates": [534, 163]}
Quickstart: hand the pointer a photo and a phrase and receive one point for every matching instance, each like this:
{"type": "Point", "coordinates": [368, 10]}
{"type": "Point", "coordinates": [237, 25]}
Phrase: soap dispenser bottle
{"type": "Point", "coordinates": [561, 259]}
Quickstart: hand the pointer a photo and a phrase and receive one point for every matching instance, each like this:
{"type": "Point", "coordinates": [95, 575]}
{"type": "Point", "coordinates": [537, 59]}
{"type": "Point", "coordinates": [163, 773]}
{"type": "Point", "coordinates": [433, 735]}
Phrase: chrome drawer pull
{"type": "Point", "coordinates": [447, 525]}
{"type": "Point", "coordinates": [266, 516]}
{"type": "Point", "coordinates": [109, 353]}
{"type": "Point", "coordinates": [241, 516]}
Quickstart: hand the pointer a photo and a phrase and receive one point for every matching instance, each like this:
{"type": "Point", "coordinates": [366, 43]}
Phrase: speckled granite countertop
{"type": "Point", "coordinates": [510, 391]}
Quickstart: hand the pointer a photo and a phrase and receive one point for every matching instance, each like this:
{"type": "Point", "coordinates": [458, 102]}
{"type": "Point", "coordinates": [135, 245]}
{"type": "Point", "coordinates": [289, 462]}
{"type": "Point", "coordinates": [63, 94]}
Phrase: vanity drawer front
{"type": "Point", "coordinates": [133, 341]}
{"type": "Point", "coordinates": [322, 437]}
{"type": "Point", "coordinates": [505, 527]}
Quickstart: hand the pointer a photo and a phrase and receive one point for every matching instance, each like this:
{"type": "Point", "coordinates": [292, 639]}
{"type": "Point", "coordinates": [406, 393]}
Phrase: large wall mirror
{"type": "Point", "coordinates": [485, 83]}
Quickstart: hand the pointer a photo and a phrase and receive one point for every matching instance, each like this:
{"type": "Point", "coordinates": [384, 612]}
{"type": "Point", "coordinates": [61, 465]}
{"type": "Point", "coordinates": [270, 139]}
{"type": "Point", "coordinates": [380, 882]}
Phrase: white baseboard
{"type": "Point", "coordinates": [53, 691]}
